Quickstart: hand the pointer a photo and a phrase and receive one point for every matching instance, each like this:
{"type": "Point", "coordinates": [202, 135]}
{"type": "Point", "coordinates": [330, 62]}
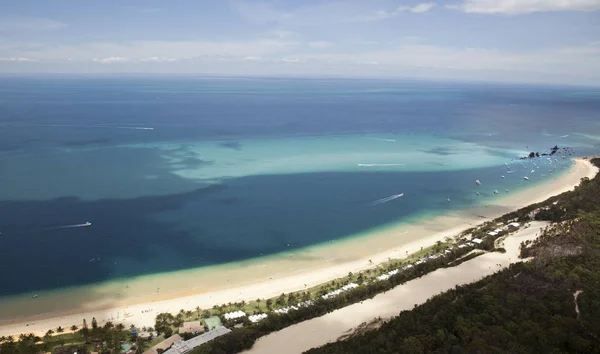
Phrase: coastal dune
{"type": "Point", "coordinates": [138, 301]}
{"type": "Point", "coordinates": [328, 328]}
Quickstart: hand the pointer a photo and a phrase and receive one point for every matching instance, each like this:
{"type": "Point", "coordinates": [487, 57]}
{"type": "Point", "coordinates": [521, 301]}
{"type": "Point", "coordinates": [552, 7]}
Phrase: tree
{"type": "Point", "coordinates": [108, 326]}
{"type": "Point", "coordinates": [198, 311]}
{"type": "Point", "coordinates": [59, 329]}
{"type": "Point", "coordinates": [94, 323]}
{"type": "Point", "coordinates": [168, 331]}
{"type": "Point", "coordinates": [73, 328]}
{"type": "Point", "coordinates": [280, 300]}
{"type": "Point", "coordinates": [120, 327]}
{"type": "Point", "coordinates": [84, 331]}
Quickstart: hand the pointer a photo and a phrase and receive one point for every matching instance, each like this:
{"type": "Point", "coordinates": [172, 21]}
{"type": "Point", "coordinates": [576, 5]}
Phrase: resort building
{"type": "Point", "coordinates": [191, 327]}
{"type": "Point", "coordinates": [164, 345]}
{"type": "Point", "coordinates": [183, 347]}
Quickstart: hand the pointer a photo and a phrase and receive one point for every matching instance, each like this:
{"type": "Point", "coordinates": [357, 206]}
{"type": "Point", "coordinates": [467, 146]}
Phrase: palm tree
{"type": "Point", "coordinates": [59, 329]}
{"type": "Point", "coordinates": [132, 327]}
{"type": "Point", "coordinates": [73, 328]}
{"type": "Point", "coordinates": [198, 311]}
{"type": "Point", "coordinates": [120, 327]}
{"type": "Point", "coordinates": [49, 332]}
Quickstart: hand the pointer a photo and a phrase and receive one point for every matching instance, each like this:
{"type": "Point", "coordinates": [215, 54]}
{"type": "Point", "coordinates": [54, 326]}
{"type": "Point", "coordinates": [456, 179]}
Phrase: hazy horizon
{"type": "Point", "coordinates": [541, 41]}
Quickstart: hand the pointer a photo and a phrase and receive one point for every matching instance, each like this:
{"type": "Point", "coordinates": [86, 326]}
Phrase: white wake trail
{"type": "Point", "coordinates": [387, 199]}
{"type": "Point", "coordinates": [380, 139]}
{"type": "Point", "coordinates": [380, 164]}
{"type": "Point", "coordinates": [87, 224]}
{"type": "Point", "coordinates": [85, 126]}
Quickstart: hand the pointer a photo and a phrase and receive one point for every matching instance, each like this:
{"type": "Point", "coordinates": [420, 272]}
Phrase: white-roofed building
{"type": "Point", "coordinates": [235, 314]}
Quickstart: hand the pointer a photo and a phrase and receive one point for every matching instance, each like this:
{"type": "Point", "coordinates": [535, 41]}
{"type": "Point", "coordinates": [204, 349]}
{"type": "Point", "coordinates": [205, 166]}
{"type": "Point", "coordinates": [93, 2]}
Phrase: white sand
{"type": "Point", "coordinates": [269, 278]}
{"type": "Point", "coordinates": [328, 328]}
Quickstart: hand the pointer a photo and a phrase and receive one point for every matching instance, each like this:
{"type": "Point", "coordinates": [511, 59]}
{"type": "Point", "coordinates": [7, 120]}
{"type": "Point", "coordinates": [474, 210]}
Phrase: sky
{"type": "Point", "coordinates": [552, 41]}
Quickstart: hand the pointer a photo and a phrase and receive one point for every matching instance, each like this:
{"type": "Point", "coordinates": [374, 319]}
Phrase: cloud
{"type": "Point", "coordinates": [27, 24]}
{"type": "Point", "coordinates": [110, 60]}
{"type": "Point", "coordinates": [16, 59]}
{"type": "Point", "coordinates": [406, 58]}
{"type": "Point", "coordinates": [150, 51]}
{"type": "Point", "coordinates": [325, 13]}
{"type": "Point", "coordinates": [383, 14]}
{"type": "Point", "coordinates": [320, 44]}
{"type": "Point", "coordinates": [157, 60]}
{"type": "Point", "coordinates": [514, 7]}
{"type": "Point", "coordinates": [419, 8]}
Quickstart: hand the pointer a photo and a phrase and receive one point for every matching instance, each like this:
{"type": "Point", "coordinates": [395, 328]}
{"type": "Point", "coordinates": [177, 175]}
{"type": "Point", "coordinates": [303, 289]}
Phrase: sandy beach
{"type": "Point", "coordinates": [137, 301]}
{"type": "Point", "coordinates": [328, 328]}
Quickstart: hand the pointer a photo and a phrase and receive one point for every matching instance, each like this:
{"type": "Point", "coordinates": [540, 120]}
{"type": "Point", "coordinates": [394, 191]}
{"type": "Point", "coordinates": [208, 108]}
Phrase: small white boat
{"type": "Point", "coordinates": [502, 176]}
{"type": "Point", "coordinates": [496, 191]}
{"type": "Point", "coordinates": [526, 178]}
{"type": "Point", "coordinates": [477, 182]}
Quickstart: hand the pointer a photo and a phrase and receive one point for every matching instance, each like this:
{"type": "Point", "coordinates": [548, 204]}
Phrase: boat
{"type": "Point", "coordinates": [496, 191]}
{"type": "Point", "coordinates": [477, 182]}
{"type": "Point", "coordinates": [526, 178]}
{"type": "Point", "coordinates": [87, 223]}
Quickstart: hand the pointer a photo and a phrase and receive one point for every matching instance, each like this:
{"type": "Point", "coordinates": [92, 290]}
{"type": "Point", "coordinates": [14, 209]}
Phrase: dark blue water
{"type": "Point", "coordinates": [69, 153]}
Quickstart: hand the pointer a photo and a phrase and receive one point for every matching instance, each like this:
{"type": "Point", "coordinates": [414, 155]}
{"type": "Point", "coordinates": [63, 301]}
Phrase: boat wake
{"type": "Point", "coordinates": [87, 224]}
{"type": "Point", "coordinates": [380, 139]}
{"type": "Point", "coordinates": [88, 126]}
{"type": "Point", "coordinates": [380, 164]}
{"type": "Point", "coordinates": [387, 199]}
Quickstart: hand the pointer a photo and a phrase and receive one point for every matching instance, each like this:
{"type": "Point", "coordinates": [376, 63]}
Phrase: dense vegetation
{"type": "Point", "coordinates": [243, 338]}
{"type": "Point", "coordinates": [528, 308]}
{"type": "Point", "coordinates": [103, 339]}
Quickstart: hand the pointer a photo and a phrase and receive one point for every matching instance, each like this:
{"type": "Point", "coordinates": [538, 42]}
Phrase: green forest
{"type": "Point", "coordinates": [548, 305]}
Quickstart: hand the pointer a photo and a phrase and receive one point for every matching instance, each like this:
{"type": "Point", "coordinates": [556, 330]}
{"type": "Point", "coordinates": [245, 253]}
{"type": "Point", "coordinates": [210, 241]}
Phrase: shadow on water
{"type": "Point", "coordinates": [237, 219]}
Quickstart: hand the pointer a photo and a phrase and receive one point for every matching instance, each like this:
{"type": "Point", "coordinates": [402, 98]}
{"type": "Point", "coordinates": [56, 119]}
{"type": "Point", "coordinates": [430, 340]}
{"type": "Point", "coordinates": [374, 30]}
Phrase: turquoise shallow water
{"type": "Point", "coordinates": [233, 170]}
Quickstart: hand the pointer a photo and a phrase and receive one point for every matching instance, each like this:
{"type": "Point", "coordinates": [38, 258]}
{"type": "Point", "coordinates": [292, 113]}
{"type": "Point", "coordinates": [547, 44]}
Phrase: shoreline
{"type": "Point", "coordinates": [307, 267]}
{"type": "Point", "coordinates": [328, 328]}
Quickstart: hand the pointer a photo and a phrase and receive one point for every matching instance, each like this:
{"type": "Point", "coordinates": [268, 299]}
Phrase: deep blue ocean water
{"type": "Point", "coordinates": [182, 172]}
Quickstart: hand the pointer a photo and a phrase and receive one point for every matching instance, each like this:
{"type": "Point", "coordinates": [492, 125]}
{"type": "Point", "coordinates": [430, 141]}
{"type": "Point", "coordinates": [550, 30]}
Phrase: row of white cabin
{"type": "Point", "coordinates": [234, 315]}
{"type": "Point", "coordinates": [262, 316]}
{"type": "Point", "coordinates": [385, 276]}
{"type": "Point", "coordinates": [340, 290]}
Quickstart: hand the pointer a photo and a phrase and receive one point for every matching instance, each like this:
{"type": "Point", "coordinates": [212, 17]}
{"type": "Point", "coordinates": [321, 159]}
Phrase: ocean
{"type": "Point", "coordinates": [177, 173]}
